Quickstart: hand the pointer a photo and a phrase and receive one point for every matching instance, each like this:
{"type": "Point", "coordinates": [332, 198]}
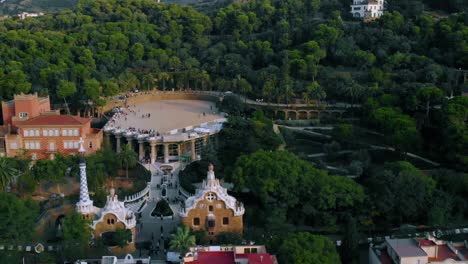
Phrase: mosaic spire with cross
{"type": "Point", "coordinates": [85, 204]}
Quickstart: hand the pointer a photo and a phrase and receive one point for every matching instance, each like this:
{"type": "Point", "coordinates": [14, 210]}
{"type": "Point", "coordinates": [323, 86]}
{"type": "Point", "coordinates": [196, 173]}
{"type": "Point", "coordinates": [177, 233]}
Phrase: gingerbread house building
{"type": "Point", "coordinates": [212, 209]}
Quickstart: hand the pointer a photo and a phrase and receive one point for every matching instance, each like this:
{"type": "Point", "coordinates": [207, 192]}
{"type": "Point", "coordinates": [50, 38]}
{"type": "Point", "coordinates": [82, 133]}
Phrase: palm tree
{"type": "Point", "coordinates": [128, 158]}
{"type": "Point", "coordinates": [317, 92]}
{"type": "Point", "coordinates": [182, 240]}
{"type": "Point", "coordinates": [148, 81]}
{"type": "Point", "coordinates": [7, 173]}
{"type": "Point", "coordinates": [163, 77]}
{"type": "Point", "coordinates": [288, 91]}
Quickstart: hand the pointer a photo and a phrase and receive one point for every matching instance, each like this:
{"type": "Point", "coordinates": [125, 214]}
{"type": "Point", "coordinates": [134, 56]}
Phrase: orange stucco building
{"type": "Point", "coordinates": [32, 128]}
{"type": "Point", "coordinates": [213, 209]}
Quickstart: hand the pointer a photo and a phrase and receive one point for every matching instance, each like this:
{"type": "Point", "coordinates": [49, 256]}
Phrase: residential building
{"type": "Point", "coordinates": [32, 128]}
{"type": "Point", "coordinates": [212, 209]}
{"type": "Point", "coordinates": [418, 251]}
{"type": "Point", "coordinates": [25, 15]}
{"type": "Point", "coordinates": [248, 254]}
{"type": "Point", "coordinates": [367, 9]}
{"type": "Point", "coordinates": [128, 259]}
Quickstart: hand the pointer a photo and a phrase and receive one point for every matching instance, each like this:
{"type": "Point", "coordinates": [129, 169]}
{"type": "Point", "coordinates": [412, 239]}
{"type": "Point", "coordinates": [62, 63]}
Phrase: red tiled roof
{"type": "Point", "coordinates": [426, 243]}
{"type": "Point", "coordinates": [443, 253]}
{"type": "Point", "coordinates": [212, 257]}
{"type": "Point", "coordinates": [385, 258]}
{"type": "Point", "coordinates": [51, 120]}
{"type": "Point", "coordinates": [256, 258]}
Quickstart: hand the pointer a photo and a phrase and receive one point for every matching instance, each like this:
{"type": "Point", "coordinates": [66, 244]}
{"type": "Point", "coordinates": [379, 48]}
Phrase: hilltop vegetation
{"type": "Point", "coordinates": [398, 67]}
{"type": "Point", "coordinates": [14, 7]}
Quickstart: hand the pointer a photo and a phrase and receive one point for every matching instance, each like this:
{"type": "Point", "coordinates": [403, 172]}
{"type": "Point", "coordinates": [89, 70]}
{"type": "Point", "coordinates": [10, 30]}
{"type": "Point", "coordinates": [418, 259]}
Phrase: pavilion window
{"type": "Point", "coordinates": [196, 221]}
{"type": "Point", "coordinates": [211, 223]}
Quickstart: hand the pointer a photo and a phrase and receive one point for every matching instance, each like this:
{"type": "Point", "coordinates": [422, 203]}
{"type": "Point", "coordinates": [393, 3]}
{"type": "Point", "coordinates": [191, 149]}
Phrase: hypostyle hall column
{"type": "Point", "coordinates": [166, 153]}
{"type": "Point", "coordinates": [141, 149]}
{"type": "Point", "coordinates": [194, 151]}
{"type": "Point", "coordinates": [153, 151]}
{"type": "Point", "coordinates": [129, 141]}
{"type": "Point", "coordinates": [118, 137]}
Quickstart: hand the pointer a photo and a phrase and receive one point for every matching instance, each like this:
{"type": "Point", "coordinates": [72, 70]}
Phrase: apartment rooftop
{"type": "Point", "coordinates": [406, 247]}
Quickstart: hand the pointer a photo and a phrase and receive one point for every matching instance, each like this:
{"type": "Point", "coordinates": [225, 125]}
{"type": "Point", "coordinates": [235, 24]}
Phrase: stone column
{"type": "Point", "coordinates": [194, 150]}
{"type": "Point", "coordinates": [141, 149]}
{"type": "Point", "coordinates": [117, 145]}
{"type": "Point", "coordinates": [106, 138]}
{"type": "Point", "coordinates": [153, 151]}
{"type": "Point", "coordinates": [129, 141]}
{"type": "Point", "coordinates": [166, 153]}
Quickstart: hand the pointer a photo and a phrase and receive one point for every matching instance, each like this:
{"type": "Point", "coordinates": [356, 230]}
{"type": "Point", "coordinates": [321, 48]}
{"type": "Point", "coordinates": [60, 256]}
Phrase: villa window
{"type": "Point", "coordinates": [26, 133]}
{"type": "Point", "coordinates": [75, 133]}
{"type": "Point", "coordinates": [210, 208]}
{"type": "Point", "coordinates": [37, 133]}
{"type": "Point", "coordinates": [64, 133]}
{"type": "Point", "coordinates": [225, 220]}
{"type": "Point", "coordinates": [45, 133]}
{"type": "Point", "coordinates": [246, 250]}
{"type": "Point", "coordinates": [56, 132]}
{"type": "Point", "coordinates": [23, 115]}
{"type": "Point", "coordinates": [90, 145]}
{"type": "Point", "coordinates": [196, 221]}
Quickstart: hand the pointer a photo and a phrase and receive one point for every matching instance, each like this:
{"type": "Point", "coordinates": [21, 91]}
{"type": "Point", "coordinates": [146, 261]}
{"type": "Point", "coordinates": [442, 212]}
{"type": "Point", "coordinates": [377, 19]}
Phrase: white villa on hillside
{"type": "Point", "coordinates": [367, 9]}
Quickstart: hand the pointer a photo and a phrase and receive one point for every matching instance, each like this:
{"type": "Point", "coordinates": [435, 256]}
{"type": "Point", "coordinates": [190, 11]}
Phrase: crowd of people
{"type": "Point", "coordinates": [125, 113]}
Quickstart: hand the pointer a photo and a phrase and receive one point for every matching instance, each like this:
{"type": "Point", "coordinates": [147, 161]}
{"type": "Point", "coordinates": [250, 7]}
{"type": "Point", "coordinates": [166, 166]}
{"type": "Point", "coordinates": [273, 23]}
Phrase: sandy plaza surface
{"type": "Point", "coordinates": [167, 115]}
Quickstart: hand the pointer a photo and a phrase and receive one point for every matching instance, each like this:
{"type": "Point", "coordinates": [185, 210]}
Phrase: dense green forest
{"type": "Point", "coordinates": [401, 68]}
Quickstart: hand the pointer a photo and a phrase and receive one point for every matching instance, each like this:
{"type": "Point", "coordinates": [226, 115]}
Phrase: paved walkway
{"type": "Point", "coordinates": [163, 184]}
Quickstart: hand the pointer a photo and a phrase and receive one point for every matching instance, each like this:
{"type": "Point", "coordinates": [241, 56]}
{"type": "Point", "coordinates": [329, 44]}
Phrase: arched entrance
{"type": "Point", "coordinates": [292, 115]}
{"type": "Point", "coordinates": [303, 115]}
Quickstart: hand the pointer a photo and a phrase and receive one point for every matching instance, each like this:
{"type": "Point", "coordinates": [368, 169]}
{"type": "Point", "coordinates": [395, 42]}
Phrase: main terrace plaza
{"type": "Point", "coordinates": [165, 130]}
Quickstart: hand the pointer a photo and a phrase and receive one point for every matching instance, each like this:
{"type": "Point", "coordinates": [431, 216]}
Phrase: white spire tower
{"type": "Point", "coordinates": [84, 205]}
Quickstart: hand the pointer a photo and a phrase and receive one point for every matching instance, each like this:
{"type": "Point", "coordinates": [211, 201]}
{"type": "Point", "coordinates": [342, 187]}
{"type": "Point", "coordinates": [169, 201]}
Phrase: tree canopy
{"type": "Point", "coordinates": [304, 247]}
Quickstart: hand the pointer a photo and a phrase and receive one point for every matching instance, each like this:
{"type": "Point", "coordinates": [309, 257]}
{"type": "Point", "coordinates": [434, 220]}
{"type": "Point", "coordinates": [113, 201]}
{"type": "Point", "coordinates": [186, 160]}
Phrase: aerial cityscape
{"type": "Point", "coordinates": [234, 131]}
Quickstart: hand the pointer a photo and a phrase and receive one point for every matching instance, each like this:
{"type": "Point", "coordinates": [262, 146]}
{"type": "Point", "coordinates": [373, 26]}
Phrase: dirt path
{"type": "Point", "coordinates": [277, 131]}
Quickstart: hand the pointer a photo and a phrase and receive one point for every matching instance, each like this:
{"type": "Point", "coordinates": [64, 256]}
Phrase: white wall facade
{"type": "Point", "coordinates": [367, 9]}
